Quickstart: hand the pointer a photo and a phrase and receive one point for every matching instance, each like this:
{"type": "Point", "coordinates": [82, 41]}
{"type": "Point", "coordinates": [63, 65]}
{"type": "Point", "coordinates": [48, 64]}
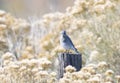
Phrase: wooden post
{"type": "Point", "coordinates": [66, 59]}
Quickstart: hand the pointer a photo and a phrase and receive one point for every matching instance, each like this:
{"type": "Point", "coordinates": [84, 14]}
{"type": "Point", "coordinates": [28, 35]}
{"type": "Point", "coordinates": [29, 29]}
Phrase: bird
{"type": "Point", "coordinates": [66, 42]}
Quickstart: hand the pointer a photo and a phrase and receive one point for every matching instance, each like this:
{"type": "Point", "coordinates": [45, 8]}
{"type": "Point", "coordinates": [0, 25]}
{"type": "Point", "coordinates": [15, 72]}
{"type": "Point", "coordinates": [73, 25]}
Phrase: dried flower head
{"type": "Point", "coordinates": [2, 12]}
{"type": "Point", "coordinates": [102, 65]}
{"type": "Point", "coordinates": [45, 63]}
{"type": "Point", "coordinates": [109, 72]}
{"type": "Point", "coordinates": [110, 5]}
{"type": "Point", "coordinates": [99, 2]}
{"type": "Point", "coordinates": [32, 63]}
{"type": "Point", "coordinates": [65, 80]}
{"type": "Point", "coordinates": [7, 56]}
{"type": "Point", "coordinates": [14, 66]}
{"type": "Point", "coordinates": [3, 27]}
{"type": "Point", "coordinates": [26, 55]}
{"type": "Point", "coordinates": [108, 79]}
{"type": "Point", "coordinates": [117, 78]}
{"type": "Point", "coordinates": [90, 70]}
{"type": "Point", "coordinates": [35, 70]}
{"type": "Point", "coordinates": [70, 69]}
{"type": "Point", "coordinates": [94, 80]}
{"type": "Point", "coordinates": [29, 49]}
{"type": "Point", "coordinates": [53, 74]}
{"type": "Point", "coordinates": [2, 20]}
{"type": "Point", "coordinates": [42, 74]}
{"type": "Point", "coordinates": [22, 68]}
{"type": "Point", "coordinates": [24, 62]}
{"type": "Point", "coordinates": [99, 9]}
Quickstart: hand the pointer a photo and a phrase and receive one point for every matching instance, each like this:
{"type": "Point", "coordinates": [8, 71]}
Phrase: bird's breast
{"type": "Point", "coordinates": [62, 39]}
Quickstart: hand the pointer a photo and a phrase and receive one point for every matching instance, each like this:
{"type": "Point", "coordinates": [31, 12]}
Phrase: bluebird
{"type": "Point", "coordinates": [66, 42]}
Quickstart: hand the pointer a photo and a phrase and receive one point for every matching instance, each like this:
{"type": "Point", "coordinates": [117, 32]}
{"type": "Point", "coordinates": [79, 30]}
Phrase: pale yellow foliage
{"type": "Point", "coordinates": [93, 26]}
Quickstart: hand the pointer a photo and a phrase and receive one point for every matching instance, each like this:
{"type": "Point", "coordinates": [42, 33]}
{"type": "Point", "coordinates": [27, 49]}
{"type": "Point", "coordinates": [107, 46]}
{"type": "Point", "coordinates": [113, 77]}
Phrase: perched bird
{"type": "Point", "coordinates": [66, 42]}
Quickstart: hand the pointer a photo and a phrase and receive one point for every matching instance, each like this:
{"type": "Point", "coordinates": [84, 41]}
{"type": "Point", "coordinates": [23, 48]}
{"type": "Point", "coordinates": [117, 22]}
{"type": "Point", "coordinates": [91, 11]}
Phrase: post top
{"type": "Point", "coordinates": [69, 54]}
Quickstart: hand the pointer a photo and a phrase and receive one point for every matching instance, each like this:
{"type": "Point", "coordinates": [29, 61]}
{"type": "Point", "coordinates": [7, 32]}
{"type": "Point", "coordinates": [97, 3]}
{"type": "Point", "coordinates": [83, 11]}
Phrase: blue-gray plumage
{"type": "Point", "coordinates": [66, 42]}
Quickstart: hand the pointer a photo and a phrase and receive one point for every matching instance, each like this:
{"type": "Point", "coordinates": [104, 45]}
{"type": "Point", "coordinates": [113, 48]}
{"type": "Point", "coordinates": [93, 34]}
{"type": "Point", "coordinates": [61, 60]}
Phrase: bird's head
{"type": "Point", "coordinates": [63, 32]}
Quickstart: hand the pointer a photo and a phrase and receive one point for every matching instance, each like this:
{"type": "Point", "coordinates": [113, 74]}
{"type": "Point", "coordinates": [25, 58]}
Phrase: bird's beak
{"type": "Point", "coordinates": [62, 32]}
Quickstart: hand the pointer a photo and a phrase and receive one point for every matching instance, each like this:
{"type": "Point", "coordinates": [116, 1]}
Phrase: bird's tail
{"type": "Point", "coordinates": [76, 50]}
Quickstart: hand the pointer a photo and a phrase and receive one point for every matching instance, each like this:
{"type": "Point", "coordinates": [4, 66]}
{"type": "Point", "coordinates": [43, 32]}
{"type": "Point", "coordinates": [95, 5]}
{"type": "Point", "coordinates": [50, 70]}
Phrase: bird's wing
{"type": "Point", "coordinates": [69, 41]}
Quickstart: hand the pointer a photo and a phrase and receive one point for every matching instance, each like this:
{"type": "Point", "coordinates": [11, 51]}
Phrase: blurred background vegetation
{"type": "Point", "coordinates": [26, 8]}
{"type": "Point", "coordinates": [93, 25]}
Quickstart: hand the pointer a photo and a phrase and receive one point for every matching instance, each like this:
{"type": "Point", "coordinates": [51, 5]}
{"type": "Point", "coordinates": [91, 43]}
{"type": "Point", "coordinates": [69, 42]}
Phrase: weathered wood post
{"type": "Point", "coordinates": [66, 59]}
